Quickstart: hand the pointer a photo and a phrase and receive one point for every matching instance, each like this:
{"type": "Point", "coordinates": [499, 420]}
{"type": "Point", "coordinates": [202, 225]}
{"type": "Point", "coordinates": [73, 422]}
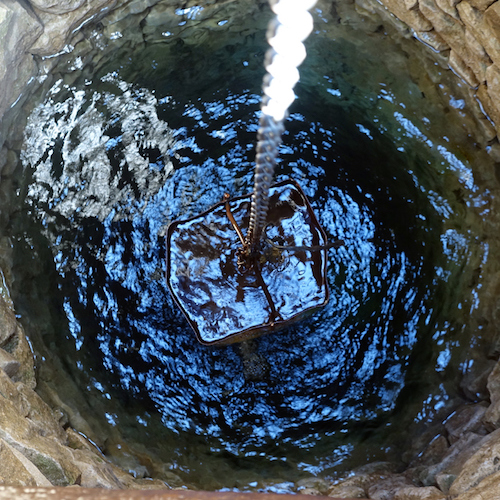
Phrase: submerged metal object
{"type": "Point", "coordinates": [233, 287]}
{"type": "Point", "coordinates": [225, 302]}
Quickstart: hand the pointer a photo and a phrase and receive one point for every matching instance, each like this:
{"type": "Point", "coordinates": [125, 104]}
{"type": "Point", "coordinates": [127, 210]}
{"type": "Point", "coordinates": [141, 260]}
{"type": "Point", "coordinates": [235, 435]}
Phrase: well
{"type": "Point", "coordinates": [413, 144]}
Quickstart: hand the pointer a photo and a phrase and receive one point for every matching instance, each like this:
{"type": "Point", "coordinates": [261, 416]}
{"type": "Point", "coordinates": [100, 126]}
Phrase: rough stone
{"type": "Point", "coordinates": [484, 462]}
{"type": "Point", "coordinates": [433, 40]}
{"type": "Point", "coordinates": [444, 481]}
{"type": "Point", "coordinates": [473, 383]}
{"type": "Point", "coordinates": [76, 420]}
{"type": "Point", "coordinates": [476, 57]}
{"type": "Point", "coordinates": [11, 162]}
{"type": "Point", "coordinates": [481, 5]}
{"type": "Point", "coordinates": [433, 453]}
{"type": "Point", "coordinates": [18, 30]}
{"type": "Point", "coordinates": [39, 413]}
{"type": "Point", "coordinates": [21, 350]}
{"type": "Point", "coordinates": [12, 470]}
{"type": "Point", "coordinates": [386, 488]}
{"type": "Point", "coordinates": [412, 18]}
{"type": "Point", "coordinates": [492, 416]}
{"type": "Point", "coordinates": [347, 491]}
{"type": "Point", "coordinates": [59, 27]}
{"type": "Point", "coordinates": [313, 483]}
{"type": "Point", "coordinates": [465, 420]}
{"type": "Point", "coordinates": [487, 489]}
{"type": "Point", "coordinates": [8, 364]}
{"type": "Point", "coordinates": [489, 108]}
{"type": "Point", "coordinates": [93, 476]}
{"type": "Point", "coordinates": [449, 27]}
{"type": "Point", "coordinates": [361, 479]}
{"type": "Point", "coordinates": [17, 470]}
{"type": "Point", "coordinates": [460, 68]}
{"type": "Point", "coordinates": [453, 461]}
{"type": "Point", "coordinates": [493, 87]}
{"type": "Point", "coordinates": [411, 4]}
{"type": "Point", "coordinates": [476, 22]}
{"type": "Point", "coordinates": [494, 152]}
{"type": "Point", "coordinates": [8, 322]}
{"type": "Point", "coordinates": [416, 493]}
{"type": "Point", "coordinates": [448, 8]}
{"type": "Point", "coordinates": [57, 6]}
{"type": "Point", "coordinates": [25, 435]}
{"type": "Point", "coordinates": [491, 38]}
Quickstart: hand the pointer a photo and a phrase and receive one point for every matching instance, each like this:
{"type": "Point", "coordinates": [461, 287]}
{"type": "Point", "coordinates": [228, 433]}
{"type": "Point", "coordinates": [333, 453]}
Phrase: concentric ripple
{"type": "Point", "coordinates": [110, 163]}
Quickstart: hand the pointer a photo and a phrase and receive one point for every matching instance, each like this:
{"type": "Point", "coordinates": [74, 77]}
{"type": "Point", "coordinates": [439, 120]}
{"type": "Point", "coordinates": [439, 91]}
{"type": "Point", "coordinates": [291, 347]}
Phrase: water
{"type": "Point", "coordinates": [114, 155]}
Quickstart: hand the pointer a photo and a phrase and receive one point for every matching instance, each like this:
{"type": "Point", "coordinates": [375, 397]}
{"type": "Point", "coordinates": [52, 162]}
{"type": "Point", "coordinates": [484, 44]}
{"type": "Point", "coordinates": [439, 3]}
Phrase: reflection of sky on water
{"type": "Point", "coordinates": [115, 165]}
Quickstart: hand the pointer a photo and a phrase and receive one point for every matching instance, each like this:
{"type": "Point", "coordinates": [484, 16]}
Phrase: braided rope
{"type": "Point", "coordinates": [285, 35]}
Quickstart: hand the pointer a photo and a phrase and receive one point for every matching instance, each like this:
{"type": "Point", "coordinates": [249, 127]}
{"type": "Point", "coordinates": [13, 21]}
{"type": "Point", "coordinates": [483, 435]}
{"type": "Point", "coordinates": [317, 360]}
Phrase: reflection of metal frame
{"type": "Point", "coordinates": [224, 303]}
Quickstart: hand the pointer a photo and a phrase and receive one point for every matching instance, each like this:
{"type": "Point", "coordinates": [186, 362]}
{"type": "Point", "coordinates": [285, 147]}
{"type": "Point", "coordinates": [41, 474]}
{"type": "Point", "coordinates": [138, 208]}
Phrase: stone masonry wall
{"type": "Point", "coordinates": [467, 32]}
{"type": "Point", "coordinates": [38, 447]}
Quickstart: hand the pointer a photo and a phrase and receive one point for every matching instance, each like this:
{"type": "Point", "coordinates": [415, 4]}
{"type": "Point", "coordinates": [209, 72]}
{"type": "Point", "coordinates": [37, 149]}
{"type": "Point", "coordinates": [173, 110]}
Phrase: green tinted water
{"type": "Point", "coordinates": [133, 135]}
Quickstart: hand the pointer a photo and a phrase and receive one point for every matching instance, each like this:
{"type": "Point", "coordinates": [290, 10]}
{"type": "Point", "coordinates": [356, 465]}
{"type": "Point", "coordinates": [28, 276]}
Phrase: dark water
{"type": "Point", "coordinates": [113, 158]}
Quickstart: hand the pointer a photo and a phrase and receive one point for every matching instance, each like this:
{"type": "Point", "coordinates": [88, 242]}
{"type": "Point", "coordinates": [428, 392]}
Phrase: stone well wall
{"type": "Point", "coordinates": [467, 34]}
{"type": "Point", "coordinates": [38, 446]}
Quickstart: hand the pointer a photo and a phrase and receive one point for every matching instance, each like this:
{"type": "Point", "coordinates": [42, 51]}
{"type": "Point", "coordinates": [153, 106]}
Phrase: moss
{"type": "Point", "coordinates": [51, 469]}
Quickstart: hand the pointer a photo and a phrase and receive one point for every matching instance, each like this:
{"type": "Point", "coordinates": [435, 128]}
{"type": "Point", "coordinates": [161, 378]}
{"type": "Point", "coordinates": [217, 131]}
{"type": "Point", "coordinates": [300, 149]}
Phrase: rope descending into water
{"type": "Point", "coordinates": [269, 139]}
{"type": "Point", "coordinates": [285, 35]}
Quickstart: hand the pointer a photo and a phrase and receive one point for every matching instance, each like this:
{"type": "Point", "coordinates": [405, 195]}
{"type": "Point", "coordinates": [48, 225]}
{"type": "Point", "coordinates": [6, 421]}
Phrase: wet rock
{"type": "Point", "coordinates": [19, 28]}
{"type": "Point", "coordinates": [19, 347]}
{"type": "Point", "coordinates": [94, 475]}
{"type": "Point", "coordinates": [8, 363]}
{"type": "Point", "coordinates": [413, 18]}
{"type": "Point", "coordinates": [464, 420]}
{"type": "Point", "coordinates": [308, 485]}
{"type": "Point", "coordinates": [362, 479]}
{"type": "Point", "coordinates": [475, 379]}
{"type": "Point", "coordinates": [433, 453]}
{"type": "Point", "coordinates": [492, 414]}
{"type": "Point", "coordinates": [8, 322]}
{"type": "Point", "coordinates": [463, 70]}
{"type": "Point", "coordinates": [444, 481]}
{"type": "Point", "coordinates": [433, 40]}
{"type": "Point", "coordinates": [448, 27]}
{"type": "Point", "coordinates": [57, 6]}
{"type": "Point", "coordinates": [454, 460]}
{"type": "Point", "coordinates": [127, 460]}
{"type": "Point", "coordinates": [347, 489]}
{"type": "Point", "coordinates": [483, 463]}
{"type": "Point", "coordinates": [71, 411]}
{"type": "Point", "coordinates": [58, 28]}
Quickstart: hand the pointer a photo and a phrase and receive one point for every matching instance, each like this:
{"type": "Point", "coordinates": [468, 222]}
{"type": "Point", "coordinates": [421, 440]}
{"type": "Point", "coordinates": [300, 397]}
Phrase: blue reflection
{"type": "Point", "coordinates": [345, 365]}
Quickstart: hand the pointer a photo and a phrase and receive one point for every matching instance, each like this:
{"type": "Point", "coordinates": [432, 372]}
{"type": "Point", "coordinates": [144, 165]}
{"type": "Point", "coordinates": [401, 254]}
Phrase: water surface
{"type": "Point", "coordinates": [112, 157]}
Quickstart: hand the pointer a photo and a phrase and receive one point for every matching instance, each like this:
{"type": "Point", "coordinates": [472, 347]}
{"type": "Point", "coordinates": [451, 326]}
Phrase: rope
{"type": "Point", "coordinates": [285, 35]}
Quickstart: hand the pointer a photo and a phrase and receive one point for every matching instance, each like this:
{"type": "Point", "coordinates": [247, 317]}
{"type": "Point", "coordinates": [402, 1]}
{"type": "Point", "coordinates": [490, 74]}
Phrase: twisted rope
{"type": "Point", "coordinates": [285, 35]}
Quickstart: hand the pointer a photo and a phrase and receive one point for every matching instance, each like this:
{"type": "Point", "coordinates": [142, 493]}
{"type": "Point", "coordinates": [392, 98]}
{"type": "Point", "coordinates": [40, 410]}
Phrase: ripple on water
{"type": "Point", "coordinates": [110, 164]}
